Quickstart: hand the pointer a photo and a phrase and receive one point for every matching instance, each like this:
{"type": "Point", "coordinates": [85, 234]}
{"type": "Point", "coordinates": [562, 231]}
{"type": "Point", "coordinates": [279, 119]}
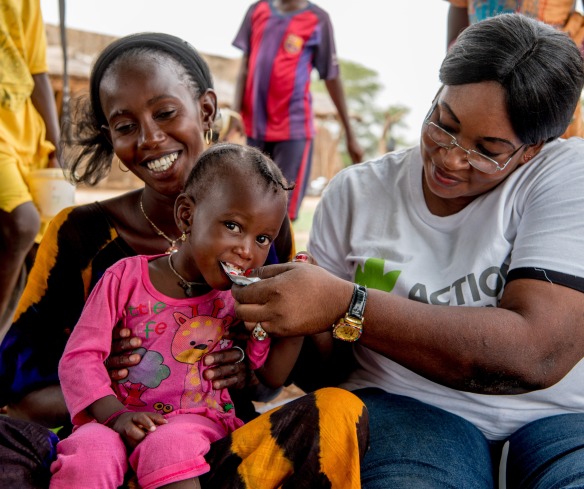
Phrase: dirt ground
{"type": "Point", "coordinates": [288, 394]}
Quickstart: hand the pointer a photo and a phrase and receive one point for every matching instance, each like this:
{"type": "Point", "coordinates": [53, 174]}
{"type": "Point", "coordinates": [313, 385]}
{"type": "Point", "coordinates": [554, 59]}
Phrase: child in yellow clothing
{"type": "Point", "coordinates": [29, 134]}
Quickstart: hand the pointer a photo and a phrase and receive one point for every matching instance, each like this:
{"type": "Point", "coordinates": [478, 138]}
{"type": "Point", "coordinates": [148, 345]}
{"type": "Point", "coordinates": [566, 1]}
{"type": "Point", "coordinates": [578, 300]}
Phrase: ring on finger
{"type": "Point", "coordinates": [259, 333]}
{"type": "Point", "coordinates": [242, 354]}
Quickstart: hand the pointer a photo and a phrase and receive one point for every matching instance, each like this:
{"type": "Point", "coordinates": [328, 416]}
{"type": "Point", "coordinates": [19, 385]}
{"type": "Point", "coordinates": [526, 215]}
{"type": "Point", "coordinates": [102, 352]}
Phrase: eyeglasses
{"type": "Point", "coordinates": [477, 160]}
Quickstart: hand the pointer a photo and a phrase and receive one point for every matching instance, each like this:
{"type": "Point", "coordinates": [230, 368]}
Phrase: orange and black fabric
{"type": "Point", "coordinates": [316, 441]}
{"type": "Point", "coordinates": [75, 251]}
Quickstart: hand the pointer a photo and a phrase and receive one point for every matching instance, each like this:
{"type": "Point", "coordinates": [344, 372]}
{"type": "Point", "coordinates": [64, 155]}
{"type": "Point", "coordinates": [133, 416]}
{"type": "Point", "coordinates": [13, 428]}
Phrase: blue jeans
{"type": "Point", "coordinates": [415, 445]}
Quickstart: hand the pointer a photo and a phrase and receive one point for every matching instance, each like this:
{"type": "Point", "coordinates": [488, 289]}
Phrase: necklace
{"type": "Point", "coordinates": [173, 247]}
{"type": "Point", "coordinates": [186, 285]}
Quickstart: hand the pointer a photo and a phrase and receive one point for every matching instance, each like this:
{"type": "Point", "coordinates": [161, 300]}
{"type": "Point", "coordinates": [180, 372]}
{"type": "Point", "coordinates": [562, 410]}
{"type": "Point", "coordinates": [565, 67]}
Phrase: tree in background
{"type": "Point", "coordinates": [388, 141]}
{"type": "Point", "coordinates": [373, 125]}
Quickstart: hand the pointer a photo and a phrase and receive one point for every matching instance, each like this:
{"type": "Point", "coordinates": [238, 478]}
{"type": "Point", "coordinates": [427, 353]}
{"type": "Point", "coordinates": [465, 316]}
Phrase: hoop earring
{"type": "Point", "coordinates": [120, 165]}
{"type": "Point", "coordinates": [209, 136]}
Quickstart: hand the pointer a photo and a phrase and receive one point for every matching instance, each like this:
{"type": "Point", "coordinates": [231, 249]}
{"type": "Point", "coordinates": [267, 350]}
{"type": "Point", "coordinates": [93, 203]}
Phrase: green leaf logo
{"type": "Point", "coordinates": [372, 275]}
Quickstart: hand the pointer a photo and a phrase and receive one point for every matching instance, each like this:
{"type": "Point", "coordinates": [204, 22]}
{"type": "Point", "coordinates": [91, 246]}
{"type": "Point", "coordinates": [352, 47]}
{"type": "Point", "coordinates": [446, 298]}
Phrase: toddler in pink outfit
{"type": "Point", "coordinates": [164, 415]}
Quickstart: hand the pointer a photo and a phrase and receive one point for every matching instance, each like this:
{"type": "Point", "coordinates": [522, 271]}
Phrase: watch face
{"type": "Point", "coordinates": [347, 332]}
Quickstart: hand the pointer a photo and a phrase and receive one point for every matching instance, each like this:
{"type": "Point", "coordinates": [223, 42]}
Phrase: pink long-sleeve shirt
{"type": "Point", "coordinates": [175, 333]}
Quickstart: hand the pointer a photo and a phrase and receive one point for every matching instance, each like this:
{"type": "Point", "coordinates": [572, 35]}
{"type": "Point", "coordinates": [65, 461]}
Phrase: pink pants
{"type": "Point", "coordinates": [95, 457]}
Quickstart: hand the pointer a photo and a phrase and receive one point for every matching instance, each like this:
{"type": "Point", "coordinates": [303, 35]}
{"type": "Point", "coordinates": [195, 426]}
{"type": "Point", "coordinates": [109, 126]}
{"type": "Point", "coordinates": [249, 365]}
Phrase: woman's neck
{"type": "Point", "coordinates": [159, 209]}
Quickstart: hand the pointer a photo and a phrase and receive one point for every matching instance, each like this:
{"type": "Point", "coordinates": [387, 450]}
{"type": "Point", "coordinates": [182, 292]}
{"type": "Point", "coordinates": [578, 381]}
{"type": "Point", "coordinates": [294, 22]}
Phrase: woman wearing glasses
{"type": "Point", "coordinates": [486, 214]}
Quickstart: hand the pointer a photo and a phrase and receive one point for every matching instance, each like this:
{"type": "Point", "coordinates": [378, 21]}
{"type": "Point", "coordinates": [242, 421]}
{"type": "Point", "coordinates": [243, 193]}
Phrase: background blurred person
{"type": "Point", "coordinates": [282, 42]}
{"type": "Point", "coordinates": [29, 136]}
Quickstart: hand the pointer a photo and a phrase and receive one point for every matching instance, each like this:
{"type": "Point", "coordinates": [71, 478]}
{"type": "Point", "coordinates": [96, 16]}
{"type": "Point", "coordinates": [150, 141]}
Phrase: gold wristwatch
{"type": "Point", "coordinates": [350, 327]}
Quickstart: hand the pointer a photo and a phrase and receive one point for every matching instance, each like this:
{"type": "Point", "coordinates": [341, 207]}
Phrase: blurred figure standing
{"type": "Point", "coordinates": [282, 41]}
{"type": "Point", "coordinates": [29, 135]}
{"type": "Point", "coordinates": [230, 127]}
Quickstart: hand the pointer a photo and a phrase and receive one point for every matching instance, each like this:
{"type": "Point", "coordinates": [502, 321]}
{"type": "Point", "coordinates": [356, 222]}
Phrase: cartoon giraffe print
{"type": "Point", "coordinates": [195, 337]}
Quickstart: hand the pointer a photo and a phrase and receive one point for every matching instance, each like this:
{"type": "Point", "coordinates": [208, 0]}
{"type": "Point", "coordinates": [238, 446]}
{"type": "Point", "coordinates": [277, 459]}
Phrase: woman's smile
{"type": "Point", "coordinates": [163, 163]}
{"type": "Point", "coordinates": [443, 178]}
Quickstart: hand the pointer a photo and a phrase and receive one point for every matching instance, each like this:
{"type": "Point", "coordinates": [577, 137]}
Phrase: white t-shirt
{"type": "Point", "coordinates": [373, 227]}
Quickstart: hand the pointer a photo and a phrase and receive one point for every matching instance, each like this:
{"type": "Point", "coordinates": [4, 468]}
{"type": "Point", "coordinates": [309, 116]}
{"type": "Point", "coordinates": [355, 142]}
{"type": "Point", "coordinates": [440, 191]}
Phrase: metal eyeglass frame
{"type": "Point", "coordinates": [453, 142]}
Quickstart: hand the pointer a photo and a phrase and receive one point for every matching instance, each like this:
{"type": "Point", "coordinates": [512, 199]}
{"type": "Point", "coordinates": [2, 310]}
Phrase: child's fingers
{"type": "Point", "coordinates": [128, 426]}
{"type": "Point", "coordinates": [133, 435]}
{"type": "Point", "coordinates": [146, 421]}
{"type": "Point", "coordinates": [157, 418]}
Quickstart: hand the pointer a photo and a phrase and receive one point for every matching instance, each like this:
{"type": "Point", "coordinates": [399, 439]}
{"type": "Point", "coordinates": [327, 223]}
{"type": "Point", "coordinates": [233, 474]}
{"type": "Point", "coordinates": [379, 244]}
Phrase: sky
{"type": "Point", "coordinates": [403, 40]}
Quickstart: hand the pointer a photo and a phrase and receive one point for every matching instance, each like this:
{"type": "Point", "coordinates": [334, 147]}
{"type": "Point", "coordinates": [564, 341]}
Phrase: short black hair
{"type": "Point", "coordinates": [221, 158]}
{"type": "Point", "coordinates": [540, 68]}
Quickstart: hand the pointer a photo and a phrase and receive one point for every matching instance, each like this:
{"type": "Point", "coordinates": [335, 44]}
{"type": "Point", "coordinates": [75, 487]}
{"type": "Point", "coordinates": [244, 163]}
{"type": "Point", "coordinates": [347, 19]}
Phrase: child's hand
{"type": "Point", "coordinates": [134, 426]}
{"type": "Point", "coordinates": [304, 257]}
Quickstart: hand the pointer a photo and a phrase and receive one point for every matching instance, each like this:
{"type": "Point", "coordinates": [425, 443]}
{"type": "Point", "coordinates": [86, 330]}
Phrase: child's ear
{"type": "Point", "coordinates": [183, 212]}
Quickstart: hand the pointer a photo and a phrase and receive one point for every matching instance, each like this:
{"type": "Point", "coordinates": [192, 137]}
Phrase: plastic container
{"type": "Point", "coordinates": [51, 192]}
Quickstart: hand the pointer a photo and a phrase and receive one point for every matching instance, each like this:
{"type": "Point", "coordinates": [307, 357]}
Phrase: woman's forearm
{"type": "Point", "coordinates": [466, 348]}
{"type": "Point", "coordinates": [476, 348]}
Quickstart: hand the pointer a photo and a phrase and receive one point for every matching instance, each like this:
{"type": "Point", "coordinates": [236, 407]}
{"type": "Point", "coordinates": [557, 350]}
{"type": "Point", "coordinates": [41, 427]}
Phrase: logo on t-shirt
{"type": "Point", "coordinates": [373, 275]}
{"type": "Point", "coordinates": [293, 44]}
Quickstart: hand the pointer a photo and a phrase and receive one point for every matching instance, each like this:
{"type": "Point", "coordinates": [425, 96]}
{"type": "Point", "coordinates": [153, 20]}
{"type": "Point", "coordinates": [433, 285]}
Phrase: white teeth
{"type": "Point", "coordinates": [162, 164]}
{"type": "Point", "coordinates": [231, 269]}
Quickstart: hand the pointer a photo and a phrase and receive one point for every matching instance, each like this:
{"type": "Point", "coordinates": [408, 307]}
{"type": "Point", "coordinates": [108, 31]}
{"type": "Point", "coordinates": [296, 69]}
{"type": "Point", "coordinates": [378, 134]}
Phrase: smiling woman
{"type": "Point", "coordinates": [449, 182]}
{"type": "Point", "coordinates": [470, 333]}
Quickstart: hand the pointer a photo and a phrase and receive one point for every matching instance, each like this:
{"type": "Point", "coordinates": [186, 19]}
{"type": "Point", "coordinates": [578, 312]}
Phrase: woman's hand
{"type": "Point", "coordinates": [227, 369]}
{"type": "Point", "coordinates": [121, 357]}
{"type": "Point", "coordinates": [292, 299]}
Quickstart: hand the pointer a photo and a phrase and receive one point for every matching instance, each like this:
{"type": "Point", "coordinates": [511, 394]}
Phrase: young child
{"type": "Point", "coordinates": [165, 415]}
